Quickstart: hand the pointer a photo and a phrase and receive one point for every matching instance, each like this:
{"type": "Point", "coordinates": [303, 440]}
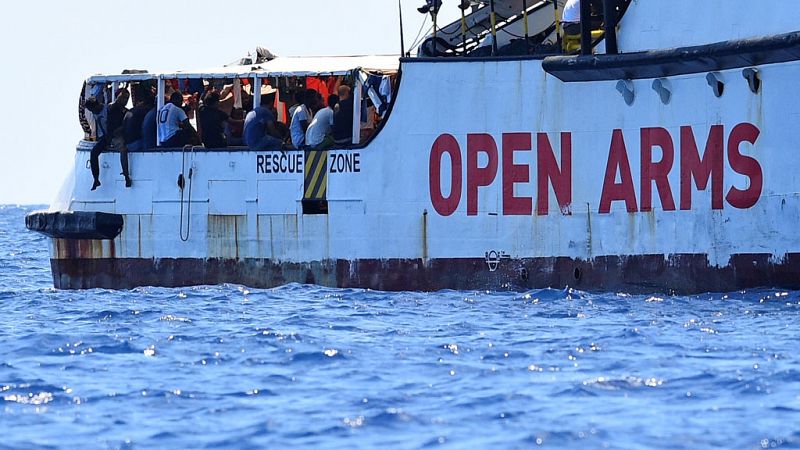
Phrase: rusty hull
{"type": "Point", "coordinates": [678, 274]}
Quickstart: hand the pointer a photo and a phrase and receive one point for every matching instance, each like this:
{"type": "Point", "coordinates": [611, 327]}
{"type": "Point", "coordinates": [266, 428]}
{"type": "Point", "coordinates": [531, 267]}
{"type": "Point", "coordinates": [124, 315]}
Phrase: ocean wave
{"type": "Point", "coordinates": [303, 366]}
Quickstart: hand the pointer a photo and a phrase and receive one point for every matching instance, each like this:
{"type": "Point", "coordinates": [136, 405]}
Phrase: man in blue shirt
{"type": "Point", "coordinates": [259, 127]}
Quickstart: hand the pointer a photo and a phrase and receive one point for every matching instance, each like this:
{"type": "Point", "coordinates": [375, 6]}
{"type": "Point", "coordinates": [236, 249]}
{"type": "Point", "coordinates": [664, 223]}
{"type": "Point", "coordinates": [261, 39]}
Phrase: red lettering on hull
{"type": "Point", "coordinates": [445, 206]}
{"type": "Point", "coordinates": [695, 170]}
{"type": "Point", "coordinates": [618, 163]}
{"type": "Point", "coordinates": [710, 166]}
{"type": "Point", "coordinates": [478, 177]}
{"type": "Point", "coordinates": [657, 173]}
{"type": "Point", "coordinates": [515, 174]}
{"type": "Point", "coordinates": [744, 165]}
{"type": "Point", "coordinates": [549, 173]}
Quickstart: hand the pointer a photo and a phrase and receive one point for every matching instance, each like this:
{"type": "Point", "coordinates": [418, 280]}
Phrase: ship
{"type": "Point", "coordinates": [654, 152]}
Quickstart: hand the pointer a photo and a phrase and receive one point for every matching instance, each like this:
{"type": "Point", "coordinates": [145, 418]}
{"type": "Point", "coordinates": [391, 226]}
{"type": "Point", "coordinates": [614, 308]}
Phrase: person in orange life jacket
{"type": "Point", "coordinates": [173, 123]}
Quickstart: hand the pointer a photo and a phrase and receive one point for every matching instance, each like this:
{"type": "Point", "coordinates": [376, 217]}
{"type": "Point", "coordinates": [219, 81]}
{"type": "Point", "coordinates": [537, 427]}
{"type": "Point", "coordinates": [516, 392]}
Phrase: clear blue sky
{"type": "Point", "coordinates": [49, 48]}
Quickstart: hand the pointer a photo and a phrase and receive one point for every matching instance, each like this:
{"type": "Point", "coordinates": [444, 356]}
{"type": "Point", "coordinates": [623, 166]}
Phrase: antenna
{"type": "Point", "coordinates": [402, 36]}
{"type": "Point", "coordinates": [463, 7]}
{"type": "Point", "coordinates": [494, 29]}
{"type": "Point", "coordinates": [527, 34]}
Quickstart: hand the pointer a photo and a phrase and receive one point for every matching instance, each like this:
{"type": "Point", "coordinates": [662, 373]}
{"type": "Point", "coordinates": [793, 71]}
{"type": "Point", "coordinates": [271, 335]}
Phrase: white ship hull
{"type": "Point", "coordinates": [488, 174]}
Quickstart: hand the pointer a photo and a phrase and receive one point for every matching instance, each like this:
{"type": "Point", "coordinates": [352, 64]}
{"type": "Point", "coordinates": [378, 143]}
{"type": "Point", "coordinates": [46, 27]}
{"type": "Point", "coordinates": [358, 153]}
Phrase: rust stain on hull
{"type": "Point", "coordinates": [84, 249]}
{"type": "Point", "coordinates": [222, 231]}
{"type": "Point", "coordinates": [680, 274]}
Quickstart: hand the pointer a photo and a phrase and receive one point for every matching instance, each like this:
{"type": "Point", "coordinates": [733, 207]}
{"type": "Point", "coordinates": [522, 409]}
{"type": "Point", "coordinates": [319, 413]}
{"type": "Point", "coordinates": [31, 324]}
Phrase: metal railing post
{"type": "Point", "coordinates": [256, 92]}
{"type": "Point", "coordinates": [610, 20]}
{"type": "Point", "coordinates": [586, 27]}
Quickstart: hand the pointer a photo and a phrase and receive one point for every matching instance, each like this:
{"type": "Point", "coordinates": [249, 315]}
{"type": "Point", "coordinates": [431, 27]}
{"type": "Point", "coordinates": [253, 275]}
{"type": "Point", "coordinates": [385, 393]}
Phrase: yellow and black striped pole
{"type": "Point", "coordinates": [315, 186]}
{"type": "Point", "coordinates": [558, 23]}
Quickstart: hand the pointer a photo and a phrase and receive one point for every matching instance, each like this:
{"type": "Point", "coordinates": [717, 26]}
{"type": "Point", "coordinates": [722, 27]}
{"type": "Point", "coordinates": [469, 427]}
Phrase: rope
{"type": "Point", "coordinates": [415, 42]}
{"type": "Point", "coordinates": [182, 185]}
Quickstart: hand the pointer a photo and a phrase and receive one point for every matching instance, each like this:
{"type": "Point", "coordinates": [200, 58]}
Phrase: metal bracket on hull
{"type": "Point", "coordinates": [753, 78]}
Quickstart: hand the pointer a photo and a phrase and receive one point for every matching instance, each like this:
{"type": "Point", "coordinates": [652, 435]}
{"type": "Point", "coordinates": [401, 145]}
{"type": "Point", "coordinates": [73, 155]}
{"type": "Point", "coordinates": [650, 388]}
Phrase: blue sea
{"type": "Point", "coordinates": [311, 367]}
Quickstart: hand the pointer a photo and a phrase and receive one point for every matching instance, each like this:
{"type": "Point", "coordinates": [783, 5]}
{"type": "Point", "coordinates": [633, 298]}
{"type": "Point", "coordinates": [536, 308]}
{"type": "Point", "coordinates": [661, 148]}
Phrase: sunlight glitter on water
{"type": "Point", "coordinates": [311, 367]}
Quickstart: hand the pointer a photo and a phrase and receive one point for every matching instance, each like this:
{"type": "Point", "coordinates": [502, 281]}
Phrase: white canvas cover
{"type": "Point", "coordinates": [299, 66]}
{"type": "Point", "coordinates": [329, 65]}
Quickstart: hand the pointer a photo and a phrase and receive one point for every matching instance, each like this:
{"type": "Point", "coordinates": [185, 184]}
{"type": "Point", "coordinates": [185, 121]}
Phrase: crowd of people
{"type": "Point", "coordinates": [214, 117]}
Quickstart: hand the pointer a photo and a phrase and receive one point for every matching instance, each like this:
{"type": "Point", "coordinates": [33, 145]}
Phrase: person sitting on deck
{"type": "Point", "coordinates": [173, 123]}
{"type": "Point", "coordinates": [298, 101]}
{"type": "Point", "coordinates": [343, 118]}
{"type": "Point", "coordinates": [318, 135]}
{"type": "Point", "coordinates": [150, 127]}
{"type": "Point", "coordinates": [212, 122]}
{"type": "Point", "coordinates": [100, 114]}
{"type": "Point", "coordinates": [302, 118]}
{"type": "Point", "coordinates": [234, 128]}
{"type": "Point", "coordinates": [259, 126]}
{"type": "Point", "coordinates": [116, 117]}
{"type": "Point", "coordinates": [571, 17]}
{"type": "Point", "coordinates": [133, 123]}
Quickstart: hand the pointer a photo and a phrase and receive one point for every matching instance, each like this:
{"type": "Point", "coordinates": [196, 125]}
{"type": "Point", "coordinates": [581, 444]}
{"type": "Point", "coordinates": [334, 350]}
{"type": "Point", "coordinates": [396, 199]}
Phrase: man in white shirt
{"type": "Point", "coordinates": [302, 118]}
{"type": "Point", "coordinates": [571, 17]}
{"type": "Point", "coordinates": [173, 123]}
{"type": "Point", "coordinates": [318, 134]}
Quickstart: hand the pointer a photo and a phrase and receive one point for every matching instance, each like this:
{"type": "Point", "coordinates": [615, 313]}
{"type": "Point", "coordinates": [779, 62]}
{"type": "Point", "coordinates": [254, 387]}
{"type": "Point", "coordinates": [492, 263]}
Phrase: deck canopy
{"type": "Point", "coordinates": [293, 66]}
{"type": "Point", "coordinates": [358, 69]}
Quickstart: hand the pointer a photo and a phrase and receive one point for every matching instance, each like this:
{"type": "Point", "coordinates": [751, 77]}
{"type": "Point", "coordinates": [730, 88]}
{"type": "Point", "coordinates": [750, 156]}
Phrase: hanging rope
{"type": "Point", "coordinates": [182, 186]}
